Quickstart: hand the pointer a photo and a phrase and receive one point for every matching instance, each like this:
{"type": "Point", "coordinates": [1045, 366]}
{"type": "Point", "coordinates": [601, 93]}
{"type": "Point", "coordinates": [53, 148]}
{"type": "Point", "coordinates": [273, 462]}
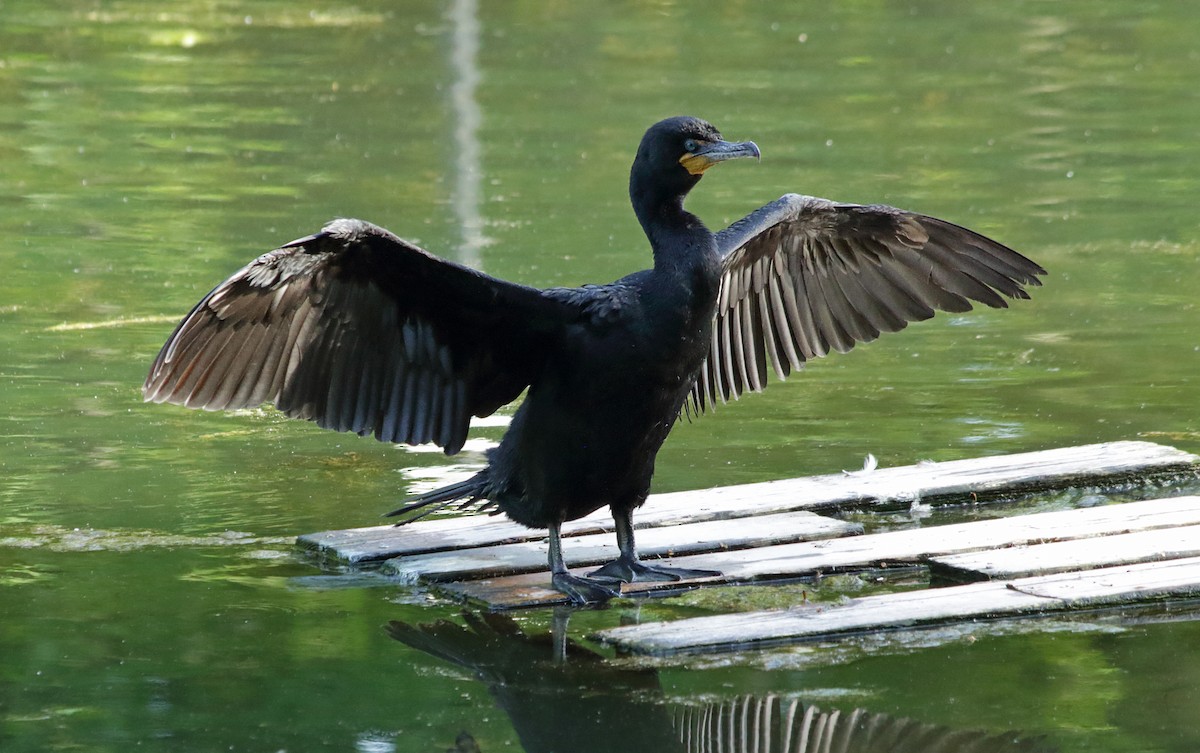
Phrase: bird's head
{"type": "Point", "coordinates": [675, 152]}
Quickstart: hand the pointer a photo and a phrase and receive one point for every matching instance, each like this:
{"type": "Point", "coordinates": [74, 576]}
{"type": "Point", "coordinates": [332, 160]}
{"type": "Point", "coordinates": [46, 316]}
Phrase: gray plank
{"type": "Point", "coordinates": [874, 550]}
{"type": "Point", "coordinates": [1041, 595]}
{"type": "Point", "coordinates": [595, 549]}
{"type": "Point", "coordinates": [1065, 556]}
{"type": "Point", "coordinates": [1098, 465]}
{"type": "Point", "coordinates": [358, 546]}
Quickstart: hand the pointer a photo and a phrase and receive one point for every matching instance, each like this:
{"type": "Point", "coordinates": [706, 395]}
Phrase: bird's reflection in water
{"type": "Point", "coordinates": [560, 696]}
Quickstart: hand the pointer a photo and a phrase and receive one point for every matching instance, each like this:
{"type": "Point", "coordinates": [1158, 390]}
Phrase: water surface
{"type": "Point", "coordinates": [149, 591]}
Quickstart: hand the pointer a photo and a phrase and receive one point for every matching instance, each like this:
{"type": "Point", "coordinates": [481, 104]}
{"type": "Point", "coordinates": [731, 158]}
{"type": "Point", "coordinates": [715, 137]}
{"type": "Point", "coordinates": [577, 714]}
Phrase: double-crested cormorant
{"type": "Point", "coordinates": [359, 330]}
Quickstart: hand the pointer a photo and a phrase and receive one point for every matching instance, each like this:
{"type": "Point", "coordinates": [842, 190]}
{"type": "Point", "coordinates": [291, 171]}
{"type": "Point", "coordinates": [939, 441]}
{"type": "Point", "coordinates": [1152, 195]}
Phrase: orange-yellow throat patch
{"type": "Point", "coordinates": [696, 163]}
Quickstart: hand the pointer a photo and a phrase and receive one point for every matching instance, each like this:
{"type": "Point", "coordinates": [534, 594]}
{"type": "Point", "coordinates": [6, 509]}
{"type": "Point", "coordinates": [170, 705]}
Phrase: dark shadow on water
{"type": "Point", "coordinates": [560, 695]}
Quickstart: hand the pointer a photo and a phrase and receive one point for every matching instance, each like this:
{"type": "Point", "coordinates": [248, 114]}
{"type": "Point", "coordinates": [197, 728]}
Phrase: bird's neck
{"type": "Point", "coordinates": [678, 239]}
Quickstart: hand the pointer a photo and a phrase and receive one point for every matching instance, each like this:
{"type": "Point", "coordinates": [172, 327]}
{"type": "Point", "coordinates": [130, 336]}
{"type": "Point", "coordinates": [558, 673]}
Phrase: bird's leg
{"type": "Point", "coordinates": [578, 590]}
{"type": "Point", "coordinates": [627, 568]}
{"type": "Point", "coordinates": [558, 632]}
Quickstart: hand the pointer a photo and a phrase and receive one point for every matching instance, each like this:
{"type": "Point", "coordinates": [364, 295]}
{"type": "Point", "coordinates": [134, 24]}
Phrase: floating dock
{"type": "Point", "coordinates": [1103, 555]}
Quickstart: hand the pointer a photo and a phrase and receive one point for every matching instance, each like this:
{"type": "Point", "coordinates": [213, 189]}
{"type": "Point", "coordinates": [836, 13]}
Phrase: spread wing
{"type": "Point", "coordinates": [803, 275]}
{"type": "Point", "coordinates": [358, 330]}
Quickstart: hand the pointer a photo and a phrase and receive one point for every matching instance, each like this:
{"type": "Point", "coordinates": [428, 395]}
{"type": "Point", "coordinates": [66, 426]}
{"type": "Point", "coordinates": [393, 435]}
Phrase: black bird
{"type": "Point", "coordinates": [359, 330]}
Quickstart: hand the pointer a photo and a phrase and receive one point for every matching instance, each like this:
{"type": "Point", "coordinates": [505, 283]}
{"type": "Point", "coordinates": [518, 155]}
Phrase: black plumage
{"type": "Point", "coordinates": [359, 330]}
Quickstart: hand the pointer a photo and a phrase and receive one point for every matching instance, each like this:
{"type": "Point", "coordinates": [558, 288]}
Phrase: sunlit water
{"type": "Point", "coordinates": [149, 592]}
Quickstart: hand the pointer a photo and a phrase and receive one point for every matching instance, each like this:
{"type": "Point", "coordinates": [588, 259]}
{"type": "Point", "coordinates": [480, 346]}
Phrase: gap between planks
{"type": "Point", "coordinates": [1097, 465]}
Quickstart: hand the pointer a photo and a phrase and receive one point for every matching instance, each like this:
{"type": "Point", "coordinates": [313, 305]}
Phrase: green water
{"type": "Point", "coordinates": [150, 596]}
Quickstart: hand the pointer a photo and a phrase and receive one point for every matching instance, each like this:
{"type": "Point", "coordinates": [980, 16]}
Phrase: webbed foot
{"type": "Point", "coordinates": [625, 570]}
{"type": "Point", "coordinates": [583, 590]}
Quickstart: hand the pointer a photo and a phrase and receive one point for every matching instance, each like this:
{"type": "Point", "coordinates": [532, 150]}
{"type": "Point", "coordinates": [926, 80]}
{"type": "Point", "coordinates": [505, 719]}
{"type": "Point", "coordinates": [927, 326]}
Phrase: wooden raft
{"type": "Point", "coordinates": [1103, 466]}
{"type": "Point", "coordinates": [502, 565]}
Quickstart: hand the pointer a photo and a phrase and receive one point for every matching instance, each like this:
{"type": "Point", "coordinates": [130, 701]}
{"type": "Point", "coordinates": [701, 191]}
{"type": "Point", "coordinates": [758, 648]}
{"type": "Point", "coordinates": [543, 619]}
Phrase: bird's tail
{"type": "Point", "coordinates": [470, 493]}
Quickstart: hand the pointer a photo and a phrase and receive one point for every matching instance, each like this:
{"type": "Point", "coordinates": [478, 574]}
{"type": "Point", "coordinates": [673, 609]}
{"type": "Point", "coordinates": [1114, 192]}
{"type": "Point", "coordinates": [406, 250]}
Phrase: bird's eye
{"type": "Point", "coordinates": [690, 145]}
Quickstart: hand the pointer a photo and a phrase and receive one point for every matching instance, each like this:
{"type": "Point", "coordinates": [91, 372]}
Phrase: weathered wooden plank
{"type": "Point", "coordinates": [873, 550]}
{"type": "Point", "coordinates": [1043, 594]}
{"type": "Point", "coordinates": [375, 543]}
{"type": "Point", "coordinates": [1096, 465]}
{"type": "Point", "coordinates": [1066, 556]}
{"type": "Point", "coordinates": [595, 549]}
